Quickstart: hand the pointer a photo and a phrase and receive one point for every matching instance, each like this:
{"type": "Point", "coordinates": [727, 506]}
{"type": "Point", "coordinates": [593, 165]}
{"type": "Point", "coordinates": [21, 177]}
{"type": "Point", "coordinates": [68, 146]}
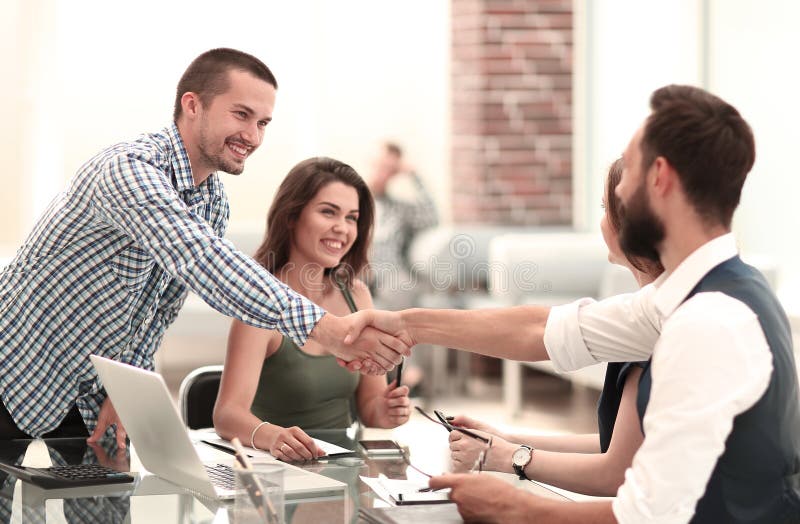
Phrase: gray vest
{"type": "Point", "coordinates": [757, 478]}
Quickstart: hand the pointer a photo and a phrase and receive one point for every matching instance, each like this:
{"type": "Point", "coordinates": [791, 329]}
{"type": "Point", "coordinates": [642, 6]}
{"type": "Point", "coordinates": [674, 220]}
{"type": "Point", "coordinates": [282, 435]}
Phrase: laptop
{"type": "Point", "coordinates": [145, 407]}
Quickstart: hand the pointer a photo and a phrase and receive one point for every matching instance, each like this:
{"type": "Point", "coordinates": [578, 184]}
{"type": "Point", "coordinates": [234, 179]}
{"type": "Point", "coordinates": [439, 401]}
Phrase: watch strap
{"type": "Point", "coordinates": [520, 469]}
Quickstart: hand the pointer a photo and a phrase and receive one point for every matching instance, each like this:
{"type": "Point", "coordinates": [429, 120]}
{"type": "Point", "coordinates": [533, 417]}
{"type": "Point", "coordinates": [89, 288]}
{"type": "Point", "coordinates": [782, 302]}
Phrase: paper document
{"type": "Point", "coordinates": [402, 491]}
{"type": "Point", "coordinates": [436, 514]}
{"type": "Point", "coordinates": [214, 440]}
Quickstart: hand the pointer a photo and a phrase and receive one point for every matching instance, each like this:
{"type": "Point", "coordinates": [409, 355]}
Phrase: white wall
{"type": "Point", "coordinates": [753, 48]}
{"type": "Point", "coordinates": [742, 50]}
{"type": "Point", "coordinates": [350, 73]}
{"type": "Point", "coordinates": [10, 130]}
{"type": "Point", "coordinates": [628, 48]}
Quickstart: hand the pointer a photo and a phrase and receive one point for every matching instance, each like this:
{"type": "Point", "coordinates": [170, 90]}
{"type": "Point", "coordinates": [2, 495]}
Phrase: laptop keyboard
{"type": "Point", "coordinates": [221, 475]}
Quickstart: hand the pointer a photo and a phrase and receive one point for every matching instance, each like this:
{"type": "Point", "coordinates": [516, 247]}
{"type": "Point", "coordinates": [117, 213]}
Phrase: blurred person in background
{"type": "Point", "coordinates": [398, 220]}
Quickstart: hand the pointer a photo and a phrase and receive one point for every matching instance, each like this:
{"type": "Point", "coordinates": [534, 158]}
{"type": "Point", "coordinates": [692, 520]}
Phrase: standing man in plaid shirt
{"type": "Point", "coordinates": [108, 266]}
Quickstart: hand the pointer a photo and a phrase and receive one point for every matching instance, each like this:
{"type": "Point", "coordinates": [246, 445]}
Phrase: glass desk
{"type": "Point", "coordinates": [150, 499]}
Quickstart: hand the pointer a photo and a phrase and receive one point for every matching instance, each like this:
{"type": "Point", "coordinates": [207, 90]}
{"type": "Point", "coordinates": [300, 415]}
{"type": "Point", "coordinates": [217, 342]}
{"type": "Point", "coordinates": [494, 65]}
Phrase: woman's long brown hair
{"type": "Point", "coordinates": [295, 192]}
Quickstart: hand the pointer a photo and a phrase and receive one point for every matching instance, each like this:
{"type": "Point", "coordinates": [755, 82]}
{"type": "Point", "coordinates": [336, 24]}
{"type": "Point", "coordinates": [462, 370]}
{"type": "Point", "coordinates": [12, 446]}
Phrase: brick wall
{"type": "Point", "coordinates": [512, 107]}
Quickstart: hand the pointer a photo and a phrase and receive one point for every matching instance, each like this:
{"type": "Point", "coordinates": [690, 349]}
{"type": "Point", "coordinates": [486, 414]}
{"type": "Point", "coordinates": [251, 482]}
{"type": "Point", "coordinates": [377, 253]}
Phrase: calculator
{"type": "Point", "coordinates": [69, 476]}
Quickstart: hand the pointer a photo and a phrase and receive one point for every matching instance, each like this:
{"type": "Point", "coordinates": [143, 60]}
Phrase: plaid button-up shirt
{"type": "Point", "coordinates": [106, 270]}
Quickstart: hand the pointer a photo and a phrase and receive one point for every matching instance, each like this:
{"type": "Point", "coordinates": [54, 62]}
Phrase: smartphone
{"type": "Point", "coordinates": [380, 447]}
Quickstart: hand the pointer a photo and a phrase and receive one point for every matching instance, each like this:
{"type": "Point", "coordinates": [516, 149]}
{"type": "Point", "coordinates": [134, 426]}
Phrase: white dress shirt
{"type": "Point", "coordinates": [711, 362]}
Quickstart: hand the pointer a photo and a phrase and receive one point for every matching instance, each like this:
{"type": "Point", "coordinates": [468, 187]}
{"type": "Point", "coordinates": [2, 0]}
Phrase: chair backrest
{"type": "Point", "coordinates": [197, 395]}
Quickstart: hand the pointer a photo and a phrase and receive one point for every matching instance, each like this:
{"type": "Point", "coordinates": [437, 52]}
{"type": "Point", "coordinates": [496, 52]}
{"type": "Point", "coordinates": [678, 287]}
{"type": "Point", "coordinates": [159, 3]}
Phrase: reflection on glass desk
{"type": "Point", "coordinates": [153, 500]}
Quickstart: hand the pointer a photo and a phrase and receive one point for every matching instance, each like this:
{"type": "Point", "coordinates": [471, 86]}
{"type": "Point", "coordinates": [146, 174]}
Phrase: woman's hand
{"type": "Point", "coordinates": [470, 423]}
{"type": "Point", "coordinates": [394, 408]}
{"type": "Point", "coordinates": [291, 444]}
{"type": "Point", "coordinates": [465, 450]}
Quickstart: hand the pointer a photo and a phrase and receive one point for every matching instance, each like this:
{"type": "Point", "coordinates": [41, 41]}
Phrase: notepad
{"type": "Point", "coordinates": [215, 441]}
{"type": "Point", "coordinates": [401, 492]}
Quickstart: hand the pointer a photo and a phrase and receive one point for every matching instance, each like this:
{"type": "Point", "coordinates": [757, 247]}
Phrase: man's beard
{"type": "Point", "coordinates": [640, 230]}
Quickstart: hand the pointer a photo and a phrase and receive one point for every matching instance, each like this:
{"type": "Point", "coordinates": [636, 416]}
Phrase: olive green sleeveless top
{"type": "Point", "coordinates": [309, 391]}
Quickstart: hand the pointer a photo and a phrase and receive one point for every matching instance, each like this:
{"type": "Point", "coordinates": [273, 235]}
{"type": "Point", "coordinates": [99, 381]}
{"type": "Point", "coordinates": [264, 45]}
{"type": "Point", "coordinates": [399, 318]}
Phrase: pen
{"type": "Point", "coordinates": [218, 446]}
{"type": "Point", "coordinates": [252, 485]}
{"type": "Point", "coordinates": [399, 372]}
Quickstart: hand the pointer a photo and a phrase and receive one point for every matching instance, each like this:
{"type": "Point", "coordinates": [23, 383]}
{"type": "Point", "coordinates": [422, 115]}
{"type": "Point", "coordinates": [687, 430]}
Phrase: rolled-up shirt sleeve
{"type": "Point", "coordinates": [563, 338]}
{"type": "Point", "coordinates": [623, 328]}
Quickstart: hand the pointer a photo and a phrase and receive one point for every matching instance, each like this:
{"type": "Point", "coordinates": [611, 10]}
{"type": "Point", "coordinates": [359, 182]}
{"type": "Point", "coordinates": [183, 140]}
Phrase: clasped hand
{"type": "Point", "coordinates": [370, 341]}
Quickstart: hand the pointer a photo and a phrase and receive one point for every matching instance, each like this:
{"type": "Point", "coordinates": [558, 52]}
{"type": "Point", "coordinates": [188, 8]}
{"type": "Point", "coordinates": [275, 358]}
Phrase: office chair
{"type": "Point", "coordinates": [197, 395]}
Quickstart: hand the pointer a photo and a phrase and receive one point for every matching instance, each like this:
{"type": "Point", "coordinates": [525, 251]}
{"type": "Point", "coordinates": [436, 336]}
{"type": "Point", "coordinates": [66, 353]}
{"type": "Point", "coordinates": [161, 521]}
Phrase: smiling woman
{"type": "Point", "coordinates": [318, 232]}
{"type": "Point", "coordinates": [299, 194]}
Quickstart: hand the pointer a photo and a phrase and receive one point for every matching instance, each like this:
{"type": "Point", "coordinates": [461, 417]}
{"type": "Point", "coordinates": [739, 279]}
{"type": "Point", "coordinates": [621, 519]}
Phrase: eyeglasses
{"type": "Point", "coordinates": [444, 422]}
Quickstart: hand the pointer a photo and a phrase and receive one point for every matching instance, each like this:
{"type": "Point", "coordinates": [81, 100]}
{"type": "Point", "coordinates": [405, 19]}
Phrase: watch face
{"type": "Point", "coordinates": [521, 456]}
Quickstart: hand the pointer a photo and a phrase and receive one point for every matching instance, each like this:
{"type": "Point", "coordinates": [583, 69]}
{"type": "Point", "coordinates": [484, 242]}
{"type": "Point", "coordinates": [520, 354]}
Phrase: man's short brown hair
{"type": "Point", "coordinates": [708, 143]}
{"type": "Point", "coordinates": [207, 75]}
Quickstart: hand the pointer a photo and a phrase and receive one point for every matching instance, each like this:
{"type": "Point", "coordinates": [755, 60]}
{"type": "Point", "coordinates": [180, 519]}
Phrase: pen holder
{"type": "Point", "coordinates": [259, 494]}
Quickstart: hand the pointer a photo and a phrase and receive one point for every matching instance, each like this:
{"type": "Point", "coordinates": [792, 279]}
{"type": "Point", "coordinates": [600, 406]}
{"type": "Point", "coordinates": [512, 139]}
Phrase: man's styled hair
{"type": "Point", "coordinates": [708, 143]}
{"type": "Point", "coordinates": [207, 75]}
{"type": "Point", "coordinates": [299, 187]}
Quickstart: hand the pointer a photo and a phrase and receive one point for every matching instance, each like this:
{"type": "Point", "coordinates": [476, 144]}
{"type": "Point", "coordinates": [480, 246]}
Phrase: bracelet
{"type": "Point", "coordinates": [253, 434]}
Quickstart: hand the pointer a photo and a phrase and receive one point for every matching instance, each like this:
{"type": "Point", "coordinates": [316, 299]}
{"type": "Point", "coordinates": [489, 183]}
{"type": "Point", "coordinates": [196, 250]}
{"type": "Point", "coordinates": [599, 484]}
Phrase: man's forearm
{"type": "Point", "coordinates": [515, 333]}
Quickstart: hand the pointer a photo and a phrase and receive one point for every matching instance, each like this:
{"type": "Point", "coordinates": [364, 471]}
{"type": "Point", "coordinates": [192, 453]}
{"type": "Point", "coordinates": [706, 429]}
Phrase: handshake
{"type": "Point", "coordinates": [370, 341]}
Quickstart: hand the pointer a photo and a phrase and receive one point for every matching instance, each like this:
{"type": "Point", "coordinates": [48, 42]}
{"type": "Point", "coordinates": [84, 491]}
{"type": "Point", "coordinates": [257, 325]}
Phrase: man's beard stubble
{"type": "Point", "coordinates": [216, 159]}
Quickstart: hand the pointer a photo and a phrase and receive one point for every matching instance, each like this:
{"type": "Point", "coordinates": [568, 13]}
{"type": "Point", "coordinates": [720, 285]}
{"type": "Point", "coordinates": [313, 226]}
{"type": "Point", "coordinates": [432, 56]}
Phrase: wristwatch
{"type": "Point", "coordinates": [520, 459]}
